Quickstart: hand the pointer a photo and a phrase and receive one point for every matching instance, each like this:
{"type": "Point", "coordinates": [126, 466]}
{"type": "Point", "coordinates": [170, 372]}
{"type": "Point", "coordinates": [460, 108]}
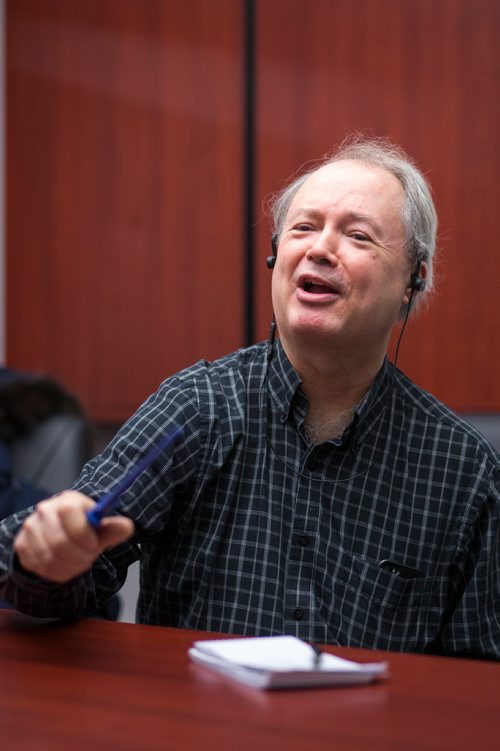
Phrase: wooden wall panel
{"type": "Point", "coordinates": [124, 159]}
{"type": "Point", "coordinates": [425, 74]}
{"type": "Point", "coordinates": [125, 176]}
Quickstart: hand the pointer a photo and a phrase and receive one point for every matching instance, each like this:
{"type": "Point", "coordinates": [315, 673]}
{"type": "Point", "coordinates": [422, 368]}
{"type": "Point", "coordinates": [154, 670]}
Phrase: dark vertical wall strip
{"type": "Point", "coordinates": [249, 172]}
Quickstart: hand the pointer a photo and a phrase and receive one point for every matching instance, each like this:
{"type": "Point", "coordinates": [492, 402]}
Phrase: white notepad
{"type": "Point", "coordinates": [271, 662]}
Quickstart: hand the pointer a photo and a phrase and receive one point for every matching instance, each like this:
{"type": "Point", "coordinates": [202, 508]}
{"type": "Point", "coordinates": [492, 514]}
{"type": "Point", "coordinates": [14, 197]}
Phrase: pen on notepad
{"type": "Point", "coordinates": [107, 502]}
{"type": "Point", "coordinates": [318, 653]}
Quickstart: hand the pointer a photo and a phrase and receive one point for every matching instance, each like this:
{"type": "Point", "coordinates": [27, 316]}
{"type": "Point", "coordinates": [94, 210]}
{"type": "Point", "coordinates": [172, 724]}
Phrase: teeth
{"type": "Point", "coordinates": [307, 286]}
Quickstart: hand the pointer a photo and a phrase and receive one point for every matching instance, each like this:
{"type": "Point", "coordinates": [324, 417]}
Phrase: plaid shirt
{"type": "Point", "coordinates": [385, 538]}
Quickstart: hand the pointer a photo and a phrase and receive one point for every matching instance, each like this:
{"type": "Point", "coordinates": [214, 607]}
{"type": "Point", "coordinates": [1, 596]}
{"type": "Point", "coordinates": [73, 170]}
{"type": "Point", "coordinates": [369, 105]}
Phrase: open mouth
{"type": "Point", "coordinates": [315, 287]}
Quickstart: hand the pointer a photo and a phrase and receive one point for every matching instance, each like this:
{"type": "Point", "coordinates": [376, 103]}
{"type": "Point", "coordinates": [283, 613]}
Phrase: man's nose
{"type": "Point", "coordinates": [324, 249]}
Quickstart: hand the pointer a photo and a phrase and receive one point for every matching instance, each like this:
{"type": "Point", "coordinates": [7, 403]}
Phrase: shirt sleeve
{"type": "Point", "coordinates": [40, 598]}
{"type": "Point", "coordinates": [473, 626]}
{"type": "Point", "coordinates": [147, 502]}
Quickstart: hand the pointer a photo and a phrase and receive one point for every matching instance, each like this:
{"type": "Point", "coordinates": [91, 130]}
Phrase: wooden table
{"type": "Point", "coordinates": [98, 685]}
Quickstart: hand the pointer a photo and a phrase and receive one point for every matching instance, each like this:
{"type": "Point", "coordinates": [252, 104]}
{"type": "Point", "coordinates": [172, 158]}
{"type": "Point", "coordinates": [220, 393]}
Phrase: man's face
{"type": "Point", "coordinates": [342, 272]}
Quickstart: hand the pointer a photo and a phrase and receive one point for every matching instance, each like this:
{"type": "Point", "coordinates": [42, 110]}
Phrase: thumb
{"type": "Point", "coordinates": [113, 530]}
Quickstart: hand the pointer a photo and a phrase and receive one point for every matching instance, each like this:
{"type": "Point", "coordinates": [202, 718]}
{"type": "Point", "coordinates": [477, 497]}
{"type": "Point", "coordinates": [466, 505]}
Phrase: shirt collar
{"type": "Point", "coordinates": [369, 410]}
{"type": "Point", "coordinates": [284, 383]}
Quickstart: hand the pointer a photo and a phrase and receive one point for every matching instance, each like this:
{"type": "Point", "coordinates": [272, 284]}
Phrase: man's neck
{"type": "Point", "coordinates": [333, 382]}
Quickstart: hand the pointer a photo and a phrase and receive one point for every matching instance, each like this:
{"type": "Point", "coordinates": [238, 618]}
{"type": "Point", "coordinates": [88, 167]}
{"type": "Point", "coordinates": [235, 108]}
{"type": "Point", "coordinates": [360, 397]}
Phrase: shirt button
{"type": "Point", "coordinates": [304, 540]}
{"type": "Point", "coordinates": [283, 416]}
{"type": "Point", "coordinates": [298, 614]}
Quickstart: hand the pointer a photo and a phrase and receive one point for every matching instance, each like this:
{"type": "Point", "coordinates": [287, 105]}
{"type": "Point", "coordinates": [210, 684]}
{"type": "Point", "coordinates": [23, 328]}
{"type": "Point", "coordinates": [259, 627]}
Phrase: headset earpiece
{"type": "Point", "coordinates": [271, 260]}
{"type": "Point", "coordinates": [417, 282]}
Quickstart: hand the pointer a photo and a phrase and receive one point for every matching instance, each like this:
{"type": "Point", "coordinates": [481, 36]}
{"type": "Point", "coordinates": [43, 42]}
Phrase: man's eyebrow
{"type": "Point", "coordinates": [305, 212]}
{"type": "Point", "coordinates": [354, 216]}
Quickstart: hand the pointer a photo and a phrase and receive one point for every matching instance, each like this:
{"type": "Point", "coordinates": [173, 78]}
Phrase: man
{"type": "Point", "coordinates": [315, 490]}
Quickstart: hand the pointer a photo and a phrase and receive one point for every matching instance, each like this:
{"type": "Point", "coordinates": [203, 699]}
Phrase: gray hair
{"type": "Point", "coordinates": [418, 211]}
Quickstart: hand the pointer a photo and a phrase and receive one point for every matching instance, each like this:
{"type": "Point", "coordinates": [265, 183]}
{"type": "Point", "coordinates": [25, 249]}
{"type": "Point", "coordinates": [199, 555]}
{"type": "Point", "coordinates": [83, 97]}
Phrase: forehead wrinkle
{"type": "Point", "coordinates": [346, 197]}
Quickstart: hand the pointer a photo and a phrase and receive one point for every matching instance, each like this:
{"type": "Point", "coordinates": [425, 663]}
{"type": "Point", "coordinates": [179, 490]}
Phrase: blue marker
{"type": "Point", "coordinates": [107, 503]}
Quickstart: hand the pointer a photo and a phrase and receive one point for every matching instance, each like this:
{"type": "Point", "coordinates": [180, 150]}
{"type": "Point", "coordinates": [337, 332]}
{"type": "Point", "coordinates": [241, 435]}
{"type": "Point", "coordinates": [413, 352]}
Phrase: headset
{"type": "Point", "coordinates": [417, 282]}
{"type": "Point", "coordinates": [271, 260]}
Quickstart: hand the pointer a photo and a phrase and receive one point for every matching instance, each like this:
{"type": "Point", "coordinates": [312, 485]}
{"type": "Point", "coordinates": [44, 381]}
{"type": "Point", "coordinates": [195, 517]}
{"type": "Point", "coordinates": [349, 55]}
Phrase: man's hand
{"type": "Point", "coordinates": [57, 543]}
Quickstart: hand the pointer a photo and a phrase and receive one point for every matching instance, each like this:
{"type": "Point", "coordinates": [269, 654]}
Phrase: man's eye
{"type": "Point", "coordinates": [360, 237]}
{"type": "Point", "coordinates": [303, 227]}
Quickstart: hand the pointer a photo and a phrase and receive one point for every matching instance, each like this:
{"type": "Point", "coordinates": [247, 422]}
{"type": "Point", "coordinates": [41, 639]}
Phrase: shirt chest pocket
{"type": "Point", "coordinates": [369, 581]}
{"type": "Point", "coordinates": [372, 607]}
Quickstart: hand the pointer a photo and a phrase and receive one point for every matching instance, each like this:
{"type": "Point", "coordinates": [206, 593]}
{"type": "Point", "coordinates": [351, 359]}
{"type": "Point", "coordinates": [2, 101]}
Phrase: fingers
{"type": "Point", "coordinates": [57, 543]}
{"type": "Point", "coordinates": [113, 530]}
{"type": "Point", "coordinates": [52, 542]}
